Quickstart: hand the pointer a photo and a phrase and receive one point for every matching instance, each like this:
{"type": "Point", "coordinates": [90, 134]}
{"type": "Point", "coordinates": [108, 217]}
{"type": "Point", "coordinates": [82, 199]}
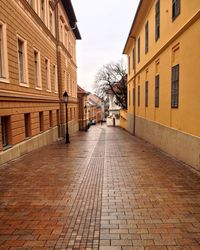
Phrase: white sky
{"type": "Point", "coordinates": [104, 26]}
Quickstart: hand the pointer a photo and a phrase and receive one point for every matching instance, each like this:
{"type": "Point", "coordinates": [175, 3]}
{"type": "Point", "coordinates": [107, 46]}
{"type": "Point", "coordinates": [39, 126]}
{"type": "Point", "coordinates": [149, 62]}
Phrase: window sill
{"type": "Point", "coordinates": [48, 90]}
{"type": "Point", "coordinates": [4, 80]}
{"type": "Point", "coordinates": [7, 147]}
{"type": "Point", "coordinates": [23, 84]}
{"type": "Point", "coordinates": [38, 88]}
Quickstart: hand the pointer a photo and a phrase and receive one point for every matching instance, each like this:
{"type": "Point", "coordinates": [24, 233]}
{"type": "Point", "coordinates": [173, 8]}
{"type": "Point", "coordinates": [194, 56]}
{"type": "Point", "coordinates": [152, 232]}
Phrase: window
{"type": "Point", "coordinates": [37, 70]}
{"type": "Point", "coordinates": [47, 74]}
{"type": "Point", "coordinates": [41, 121]}
{"type": "Point", "coordinates": [66, 38]}
{"type": "Point", "coordinates": [42, 10]}
{"type": "Point", "coordinates": [22, 61]}
{"type": "Point", "coordinates": [68, 82]}
{"type": "Point", "coordinates": [27, 125]}
{"type": "Point", "coordinates": [30, 2]}
{"type": "Point", "coordinates": [3, 53]}
{"type": "Point", "coordinates": [129, 66]}
{"type": "Point", "coordinates": [146, 37]}
{"type": "Point", "coordinates": [55, 74]}
{"type": "Point", "coordinates": [51, 21]}
{"type": "Point", "coordinates": [5, 127]}
{"type": "Point", "coordinates": [57, 116]}
{"type": "Point", "coordinates": [61, 32]}
{"type": "Point", "coordinates": [146, 93]}
{"type": "Point", "coordinates": [138, 95]}
{"type": "Point", "coordinates": [175, 87]}
{"type": "Point", "coordinates": [133, 96]}
{"type": "Point", "coordinates": [50, 119]}
{"type": "Point", "coordinates": [138, 49]}
{"type": "Point", "coordinates": [133, 58]}
{"type": "Point", "coordinates": [157, 83]}
{"type": "Point", "coordinates": [175, 8]}
{"type": "Point", "coordinates": [157, 20]}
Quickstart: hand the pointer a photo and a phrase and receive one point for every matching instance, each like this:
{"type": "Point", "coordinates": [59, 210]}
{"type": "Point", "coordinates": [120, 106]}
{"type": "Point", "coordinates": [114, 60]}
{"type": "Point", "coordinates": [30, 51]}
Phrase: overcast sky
{"type": "Point", "coordinates": [104, 26]}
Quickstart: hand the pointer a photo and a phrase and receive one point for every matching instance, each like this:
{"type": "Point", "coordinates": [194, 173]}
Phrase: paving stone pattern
{"type": "Point", "coordinates": [106, 190]}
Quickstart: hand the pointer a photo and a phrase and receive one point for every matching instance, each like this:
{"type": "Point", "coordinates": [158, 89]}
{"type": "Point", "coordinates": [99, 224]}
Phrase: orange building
{"type": "Point", "coordinates": [37, 64]}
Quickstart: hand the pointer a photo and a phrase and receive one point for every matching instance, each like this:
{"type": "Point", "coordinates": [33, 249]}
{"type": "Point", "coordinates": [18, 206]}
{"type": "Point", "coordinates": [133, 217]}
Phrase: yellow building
{"type": "Point", "coordinates": [163, 49]}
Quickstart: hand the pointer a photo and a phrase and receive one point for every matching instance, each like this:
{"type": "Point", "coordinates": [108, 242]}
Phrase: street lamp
{"type": "Point", "coordinates": [65, 99]}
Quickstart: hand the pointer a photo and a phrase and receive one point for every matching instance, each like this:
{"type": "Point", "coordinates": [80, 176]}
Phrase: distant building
{"type": "Point", "coordinates": [113, 118]}
{"type": "Point", "coordinates": [37, 64]}
{"type": "Point", "coordinates": [83, 108]}
{"type": "Point", "coordinates": [163, 49]}
{"type": "Point", "coordinates": [95, 108]}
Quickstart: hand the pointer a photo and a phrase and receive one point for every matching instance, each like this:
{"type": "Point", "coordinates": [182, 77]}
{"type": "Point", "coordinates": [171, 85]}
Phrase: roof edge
{"type": "Point", "coordinates": [133, 23]}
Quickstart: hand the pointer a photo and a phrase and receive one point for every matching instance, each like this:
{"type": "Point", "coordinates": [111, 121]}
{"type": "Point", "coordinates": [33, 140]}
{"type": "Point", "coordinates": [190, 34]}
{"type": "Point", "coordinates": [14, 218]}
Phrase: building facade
{"type": "Point", "coordinates": [83, 108]}
{"type": "Point", "coordinates": [37, 64]}
{"type": "Point", "coordinates": [113, 118]}
{"type": "Point", "coordinates": [163, 94]}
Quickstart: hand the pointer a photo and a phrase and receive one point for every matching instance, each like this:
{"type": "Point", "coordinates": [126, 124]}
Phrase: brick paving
{"type": "Point", "coordinates": [105, 190]}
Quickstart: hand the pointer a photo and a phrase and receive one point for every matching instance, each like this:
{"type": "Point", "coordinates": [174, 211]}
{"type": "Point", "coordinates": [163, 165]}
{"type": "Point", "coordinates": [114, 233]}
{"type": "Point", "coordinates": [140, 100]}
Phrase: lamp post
{"type": "Point", "coordinates": [65, 99]}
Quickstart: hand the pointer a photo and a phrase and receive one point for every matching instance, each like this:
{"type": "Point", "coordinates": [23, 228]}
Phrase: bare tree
{"type": "Point", "coordinates": [113, 77]}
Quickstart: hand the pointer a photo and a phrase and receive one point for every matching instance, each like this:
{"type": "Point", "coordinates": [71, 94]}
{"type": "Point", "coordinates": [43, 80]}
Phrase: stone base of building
{"type": "Point", "coordinates": [36, 142]}
{"type": "Point", "coordinates": [29, 145]}
{"type": "Point", "coordinates": [130, 120]}
{"type": "Point", "coordinates": [182, 146]}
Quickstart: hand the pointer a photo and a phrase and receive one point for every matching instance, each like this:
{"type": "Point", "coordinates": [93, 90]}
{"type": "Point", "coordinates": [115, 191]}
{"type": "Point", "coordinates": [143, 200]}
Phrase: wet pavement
{"type": "Point", "coordinates": [106, 190]}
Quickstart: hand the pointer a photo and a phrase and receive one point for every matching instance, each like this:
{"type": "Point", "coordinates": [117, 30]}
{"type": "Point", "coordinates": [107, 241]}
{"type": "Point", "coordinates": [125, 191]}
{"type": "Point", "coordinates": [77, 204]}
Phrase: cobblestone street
{"type": "Point", "coordinates": [106, 190]}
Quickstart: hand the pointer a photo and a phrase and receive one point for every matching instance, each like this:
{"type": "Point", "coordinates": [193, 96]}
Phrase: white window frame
{"type": "Point", "coordinates": [55, 74]}
{"type": "Point", "coordinates": [47, 75]}
{"type": "Point", "coordinates": [51, 13]}
{"type": "Point", "coordinates": [38, 85]}
{"type": "Point", "coordinates": [61, 32]}
{"type": "Point", "coordinates": [25, 83]}
{"type": "Point", "coordinates": [45, 17]}
{"type": "Point", "coordinates": [66, 38]}
{"type": "Point", "coordinates": [5, 72]}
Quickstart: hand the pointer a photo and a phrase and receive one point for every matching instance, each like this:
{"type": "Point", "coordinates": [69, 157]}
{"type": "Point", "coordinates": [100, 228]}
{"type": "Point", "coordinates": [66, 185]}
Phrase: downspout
{"type": "Point", "coordinates": [134, 85]}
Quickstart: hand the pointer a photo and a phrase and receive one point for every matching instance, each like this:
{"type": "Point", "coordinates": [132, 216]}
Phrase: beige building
{"type": "Point", "coordinates": [37, 64]}
{"type": "Point", "coordinates": [163, 77]}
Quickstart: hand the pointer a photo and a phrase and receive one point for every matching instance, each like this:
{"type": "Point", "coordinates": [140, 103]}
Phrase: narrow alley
{"type": "Point", "coordinates": [105, 190]}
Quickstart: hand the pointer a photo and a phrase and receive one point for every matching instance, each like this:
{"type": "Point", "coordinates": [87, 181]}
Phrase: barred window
{"type": "Point", "coordinates": [146, 37]}
{"type": "Point", "coordinates": [175, 87]}
{"type": "Point", "coordinates": [146, 93]}
{"type": "Point", "coordinates": [138, 95]}
{"type": "Point", "coordinates": [157, 20]}
{"type": "Point", "coordinates": [27, 125]}
{"type": "Point", "coordinates": [157, 86]}
{"type": "Point", "coordinates": [41, 121]}
{"type": "Point", "coordinates": [175, 8]}
{"type": "Point", "coordinates": [50, 119]}
{"type": "Point", "coordinates": [5, 130]}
